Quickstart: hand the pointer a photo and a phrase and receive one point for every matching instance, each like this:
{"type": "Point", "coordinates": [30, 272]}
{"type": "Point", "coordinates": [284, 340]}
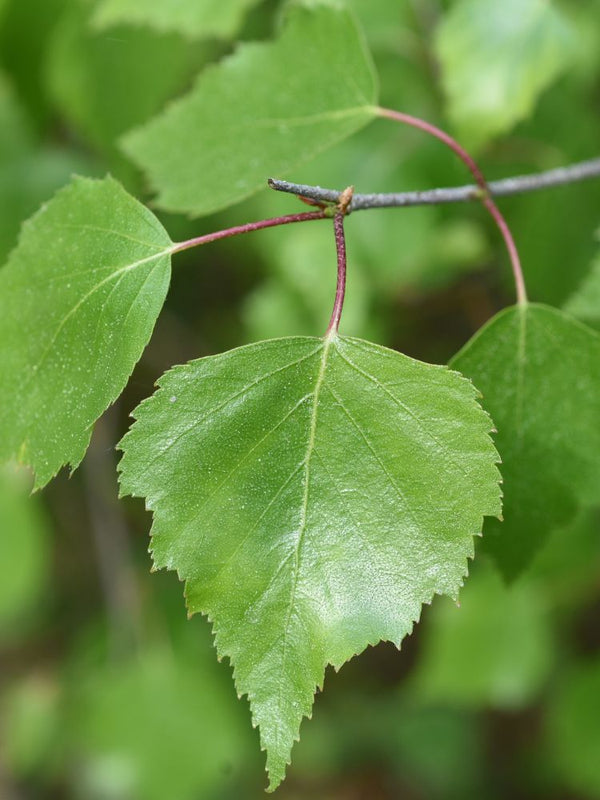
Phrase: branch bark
{"type": "Point", "coordinates": [581, 171]}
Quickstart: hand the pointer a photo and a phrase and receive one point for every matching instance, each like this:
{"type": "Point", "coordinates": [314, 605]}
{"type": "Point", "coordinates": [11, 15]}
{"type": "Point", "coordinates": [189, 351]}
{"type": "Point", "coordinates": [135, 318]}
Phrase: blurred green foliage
{"type": "Point", "coordinates": [25, 545]}
{"type": "Point", "coordinates": [496, 60]}
{"type": "Point", "coordinates": [497, 698]}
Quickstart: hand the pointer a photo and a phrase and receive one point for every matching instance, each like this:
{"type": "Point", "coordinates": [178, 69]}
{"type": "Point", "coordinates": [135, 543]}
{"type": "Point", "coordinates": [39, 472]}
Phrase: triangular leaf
{"type": "Point", "coordinates": [539, 372]}
{"type": "Point", "coordinates": [220, 18]}
{"type": "Point", "coordinates": [259, 112]}
{"type": "Point", "coordinates": [78, 301]}
{"type": "Point", "coordinates": [313, 494]}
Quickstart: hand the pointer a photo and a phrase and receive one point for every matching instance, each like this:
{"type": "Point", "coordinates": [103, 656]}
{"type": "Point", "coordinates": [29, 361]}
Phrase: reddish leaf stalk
{"type": "Point", "coordinates": [340, 246]}
{"type": "Point", "coordinates": [486, 198]}
{"type": "Point", "coordinates": [272, 222]}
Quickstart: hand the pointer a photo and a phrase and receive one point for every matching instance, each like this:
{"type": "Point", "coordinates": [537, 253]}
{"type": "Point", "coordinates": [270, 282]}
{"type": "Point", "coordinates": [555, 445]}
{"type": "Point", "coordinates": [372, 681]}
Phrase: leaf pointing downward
{"type": "Point", "coordinates": [313, 494]}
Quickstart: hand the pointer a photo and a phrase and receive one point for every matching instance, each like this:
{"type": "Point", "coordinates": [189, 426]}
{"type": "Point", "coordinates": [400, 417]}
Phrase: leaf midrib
{"type": "Point", "coordinates": [329, 340]}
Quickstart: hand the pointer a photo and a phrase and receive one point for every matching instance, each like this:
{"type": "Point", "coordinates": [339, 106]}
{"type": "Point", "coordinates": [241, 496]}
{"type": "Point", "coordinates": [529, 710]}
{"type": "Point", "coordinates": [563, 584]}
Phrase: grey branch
{"type": "Point", "coordinates": [457, 194]}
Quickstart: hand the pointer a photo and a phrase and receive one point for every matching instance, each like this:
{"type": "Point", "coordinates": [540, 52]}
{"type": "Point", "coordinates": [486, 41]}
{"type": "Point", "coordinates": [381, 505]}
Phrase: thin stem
{"type": "Point", "coordinates": [510, 246]}
{"type": "Point", "coordinates": [584, 170]}
{"type": "Point", "coordinates": [248, 228]}
{"type": "Point", "coordinates": [486, 199]}
{"type": "Point", "coordinates": [432, 130]}
{"type": "Point", "coordinates": [340, 246]}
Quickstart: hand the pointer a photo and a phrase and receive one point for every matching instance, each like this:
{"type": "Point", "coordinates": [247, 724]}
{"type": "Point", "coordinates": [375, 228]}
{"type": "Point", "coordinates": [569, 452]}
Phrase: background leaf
{"type": "Point", "coordinates": [295, 485]}
{"type": "Point", "coordinates": [157, 725]}
{"type": "Point", "coordinates": [539, 372]}
{"type": "Point", "coordinates": [78, 301]}
{"type": "Point", "coordinates": [104, 83]}
{"type": "Point", "coordinates": [25, 30]}
{"type": "Point", "coordinates": [258, 113]}
{"type": "Point", "coordinates": [497, 59]}
{"type": "Point", "coordinates": [220, 18]}
{"type": "Point", "coordinates": [29, 170]}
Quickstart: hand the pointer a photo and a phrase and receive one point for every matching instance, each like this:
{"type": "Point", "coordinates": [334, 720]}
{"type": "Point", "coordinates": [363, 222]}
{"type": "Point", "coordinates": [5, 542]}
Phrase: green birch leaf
{"type": "Point", "coordinates": [496, 59]}
{"type": "Point", "coordinates": [218, 18]}
{"type": "Point", "coordinates": [79, 297]}
{"type": "Point", "coordinates": [312, 494]}
{"type": "Point", "coordinates": [260, 112]}
{"type": "Point", "coordinates": [585, 302]}
{"type": "Point", "coordinates": [539, 372]}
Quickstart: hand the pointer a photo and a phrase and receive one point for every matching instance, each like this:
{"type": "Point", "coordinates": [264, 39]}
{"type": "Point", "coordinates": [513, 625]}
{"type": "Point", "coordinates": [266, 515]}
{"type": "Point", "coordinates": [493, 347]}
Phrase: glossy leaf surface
{"type": "Point", "coordinates": [496, 59]}
{"type": "Point", "coordinates": [79, 297]}
{"type": "Point", "coordinates": [221, 142]}
{"type": "Point", "coordinates": [313, 494]}
{"type": "Point", "coordinates": [539, 373]}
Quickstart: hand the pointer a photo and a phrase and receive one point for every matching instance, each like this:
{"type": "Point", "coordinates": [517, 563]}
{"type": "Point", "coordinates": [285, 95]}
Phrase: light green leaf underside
{"type": "Point", "coordinates": [79, 297]}
{"type": "Point", "coordinates": [313, 494]}
{"type": "Point", "coordinates": [496, 60]}
{"type": "Point", "coordinates": [263, 110]}
{"type": "Point", "coordinates": [539, 372]}
{"type": "Point", "coordinates": [219, 18]}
